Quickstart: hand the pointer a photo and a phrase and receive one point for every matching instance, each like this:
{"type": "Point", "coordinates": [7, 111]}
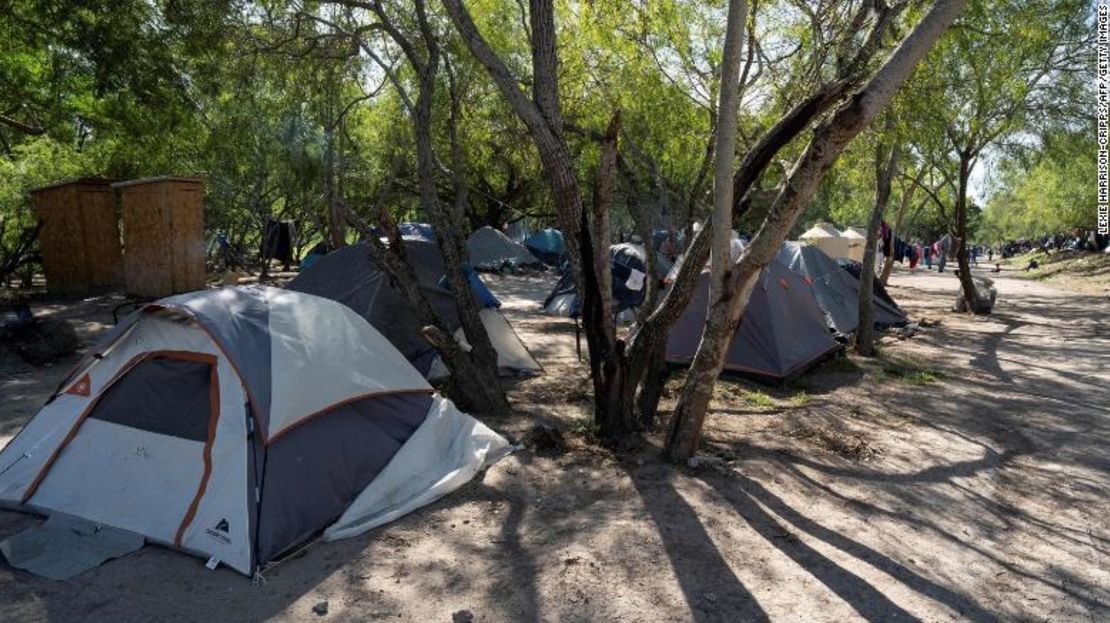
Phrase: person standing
{"type": "Point", "coordinates": [944, 247]}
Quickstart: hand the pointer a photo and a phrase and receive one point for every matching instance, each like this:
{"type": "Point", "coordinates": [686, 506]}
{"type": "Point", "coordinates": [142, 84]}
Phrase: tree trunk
{"type": "Point", "coordinates": [717, 328]}
{"type": "Point", "coordinates": [337, 230]}
{"type": "Point", "coordinates": [967, 284]}
{"type": "Point", "coordinates": [613, 413]}
{"type": "Point", "coordinates": [728, 108]}
{"type": "Point", "coordinates": [908, 192]}
{"type": "Point", "coordinates": [886, 162]}
{"type": "Point", "coordinates": [541, 115]}
{"type": "Point", "coordinates": [474, 373]}
{"type": "Point", "coordinates": [829, 140]}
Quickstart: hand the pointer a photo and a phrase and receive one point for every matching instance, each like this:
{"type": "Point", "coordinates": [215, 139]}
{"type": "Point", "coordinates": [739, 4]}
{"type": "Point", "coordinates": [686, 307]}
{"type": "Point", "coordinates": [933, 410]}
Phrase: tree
{"type": "Point", "coordinates": [474, 371]}
{"type": "Point", "coordinates": [620, 369]}
{"type": "Point", "coordinates": [981, 85]}
{"type": "Point", "coordinates": [887, 154]}
{"type": "Point", "coordinates": [829, 139]}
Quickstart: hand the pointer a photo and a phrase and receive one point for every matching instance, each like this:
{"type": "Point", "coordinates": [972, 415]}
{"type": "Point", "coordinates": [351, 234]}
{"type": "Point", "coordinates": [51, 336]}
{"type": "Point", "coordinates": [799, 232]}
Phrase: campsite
{"type": "Point", "coordinates": [479, 310]}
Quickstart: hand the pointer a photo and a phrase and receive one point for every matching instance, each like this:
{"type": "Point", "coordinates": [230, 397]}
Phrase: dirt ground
{"type": "Point", "coordinates": [962, 476]}
{"type": "Point", "coordinates": [1088, 273]}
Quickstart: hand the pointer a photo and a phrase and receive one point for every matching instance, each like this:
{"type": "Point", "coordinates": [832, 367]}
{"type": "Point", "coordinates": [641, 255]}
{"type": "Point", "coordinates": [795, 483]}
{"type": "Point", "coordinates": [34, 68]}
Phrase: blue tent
{"type": "Point", "coordinates": [416, 230]}
{"type": "Point", "coordinates": [548, 246]}
{"type": "Point", "coordinates": [481, 292]}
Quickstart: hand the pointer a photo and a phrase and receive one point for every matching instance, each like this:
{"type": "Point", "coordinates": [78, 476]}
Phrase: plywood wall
{"type": "Point", "coordinates": [79, 238]}
{"type": "Point", "coordinates": [163, 228]}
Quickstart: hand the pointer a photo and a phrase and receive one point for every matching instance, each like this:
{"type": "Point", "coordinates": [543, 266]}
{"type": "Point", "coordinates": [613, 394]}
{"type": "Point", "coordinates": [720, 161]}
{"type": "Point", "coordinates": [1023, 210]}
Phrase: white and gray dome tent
{"type": "Point", "coordinates": [491, 250]}
{"type": "Point", "coordinates": [350, 276]}
{"type": "Point", "coordinates": [235, 424]}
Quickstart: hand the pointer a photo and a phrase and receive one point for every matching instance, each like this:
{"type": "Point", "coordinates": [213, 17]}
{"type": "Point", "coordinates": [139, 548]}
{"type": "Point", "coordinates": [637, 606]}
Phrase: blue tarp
{"type": "Point", "coordinates": [548, 246]}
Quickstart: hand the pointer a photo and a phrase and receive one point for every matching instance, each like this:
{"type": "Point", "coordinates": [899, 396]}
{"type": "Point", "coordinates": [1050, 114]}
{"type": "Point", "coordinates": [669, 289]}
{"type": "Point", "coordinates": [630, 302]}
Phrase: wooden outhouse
{"type": "Point", "coordinates": [163, 235]}
{"type": "Point", "coordinates": [79, 238]}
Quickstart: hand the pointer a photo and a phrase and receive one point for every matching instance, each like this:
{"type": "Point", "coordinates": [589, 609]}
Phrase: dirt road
{"type": "Point", "coordinates": [976, 487]}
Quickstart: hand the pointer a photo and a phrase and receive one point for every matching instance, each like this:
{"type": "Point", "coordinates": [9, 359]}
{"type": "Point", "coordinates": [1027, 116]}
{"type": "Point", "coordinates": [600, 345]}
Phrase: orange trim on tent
{"type": "Point", "coordinates": [127, 367]}
{"type": "Point", "coordinates": [213, 421]}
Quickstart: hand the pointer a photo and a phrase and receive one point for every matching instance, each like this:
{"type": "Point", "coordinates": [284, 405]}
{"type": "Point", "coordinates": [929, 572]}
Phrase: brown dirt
{"type": "Point", "coordinates": [962, 476]}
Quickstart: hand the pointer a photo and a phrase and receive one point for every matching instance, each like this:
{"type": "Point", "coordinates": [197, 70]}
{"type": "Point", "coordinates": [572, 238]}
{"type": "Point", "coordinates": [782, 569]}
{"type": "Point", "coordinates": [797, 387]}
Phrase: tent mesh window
{"type": "Point", "coordinates": [161, 395]}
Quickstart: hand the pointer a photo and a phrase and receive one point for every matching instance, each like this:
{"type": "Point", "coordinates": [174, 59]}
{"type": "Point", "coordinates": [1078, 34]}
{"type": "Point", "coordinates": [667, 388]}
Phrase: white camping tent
{"type": "Point", "coordinates": [826, 237]}
{"type": "Point", "coordinates": [857, 243]}
{"type": "Point", "coordinates": [235, 424]}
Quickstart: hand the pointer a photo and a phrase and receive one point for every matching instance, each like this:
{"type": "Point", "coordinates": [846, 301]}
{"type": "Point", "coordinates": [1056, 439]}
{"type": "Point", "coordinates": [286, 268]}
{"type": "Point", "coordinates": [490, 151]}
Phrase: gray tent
{"type": "Point", "coordinates": [350, 276]}
{"type": "Point", "coordinates": [492, 250]}
{"type": "Point", "coordinates": [783, 332]}
{"type": "Point", "coordinates": [836, 289]}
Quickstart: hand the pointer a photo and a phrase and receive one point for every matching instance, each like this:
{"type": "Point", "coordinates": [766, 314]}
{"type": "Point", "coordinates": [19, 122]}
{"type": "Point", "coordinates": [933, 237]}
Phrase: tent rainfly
{"type": "Point", "coordinates": [491, 250]}
{"type": "Point", "coordinates": [836, 289]}
{"type": "Point", "coordinates": [783, 332]}
{"type": "Point", "coordinates": [349, 275]}
{"type": "Point", "coordinates": [548, 245]}
{"type": "Point", "coordinates": [826, 237]}
{"type": "Point", "coordinates": [887, 312]}
{"type": "Point", "coordinates": [236, 424]}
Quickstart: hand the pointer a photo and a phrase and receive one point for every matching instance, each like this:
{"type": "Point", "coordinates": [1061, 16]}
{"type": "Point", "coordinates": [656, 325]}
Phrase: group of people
{"type": "Point", "coordinates": [1077, 239]}
{"type": "Point", "coordinates": [937, 253]}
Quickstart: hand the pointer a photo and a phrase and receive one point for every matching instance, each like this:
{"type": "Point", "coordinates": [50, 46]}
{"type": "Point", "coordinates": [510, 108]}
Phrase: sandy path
{"type": "Point", "coordinates": [985, 498]}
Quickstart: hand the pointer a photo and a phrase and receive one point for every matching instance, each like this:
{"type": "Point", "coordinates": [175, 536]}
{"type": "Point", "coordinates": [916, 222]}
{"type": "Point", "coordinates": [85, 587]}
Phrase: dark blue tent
{"type": "Point", "coordinates": [548, 246]}
{"type": "Point", "coordinates": [350, 276]}
{"type": "Point", "coordinates": [626, 260]}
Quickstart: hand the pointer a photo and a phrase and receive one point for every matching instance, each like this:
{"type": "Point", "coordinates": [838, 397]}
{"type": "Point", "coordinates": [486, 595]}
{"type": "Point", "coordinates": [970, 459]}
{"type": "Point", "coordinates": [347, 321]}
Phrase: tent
{"type": "Point", "coordinates": [857, 243]}
{"type": "Point", "coordinates": [626, 261]}
{"type": "Point", "coordinates": [669, 242]}
{"type": "Point", "coordinates": [517, 231]}
{"type": "Point", "coordinates": [236, 424]}
{"type": "Point", "coordinates": [349, 275]}
{"type": "Point", "coordinates": [422, 231]}
{"type": "Point", "coordinates": [887, 312]}
{"type": "Point", "coordinates": [548, 245]}
{"type": "Point", "coordinates": [826, 237]}
{"type": "Point", "coordinates": [783, 332]}
{"type": "Point", "coordinates": [492, 250]}
{"type": "Point", "coordinates": [836, 289]}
